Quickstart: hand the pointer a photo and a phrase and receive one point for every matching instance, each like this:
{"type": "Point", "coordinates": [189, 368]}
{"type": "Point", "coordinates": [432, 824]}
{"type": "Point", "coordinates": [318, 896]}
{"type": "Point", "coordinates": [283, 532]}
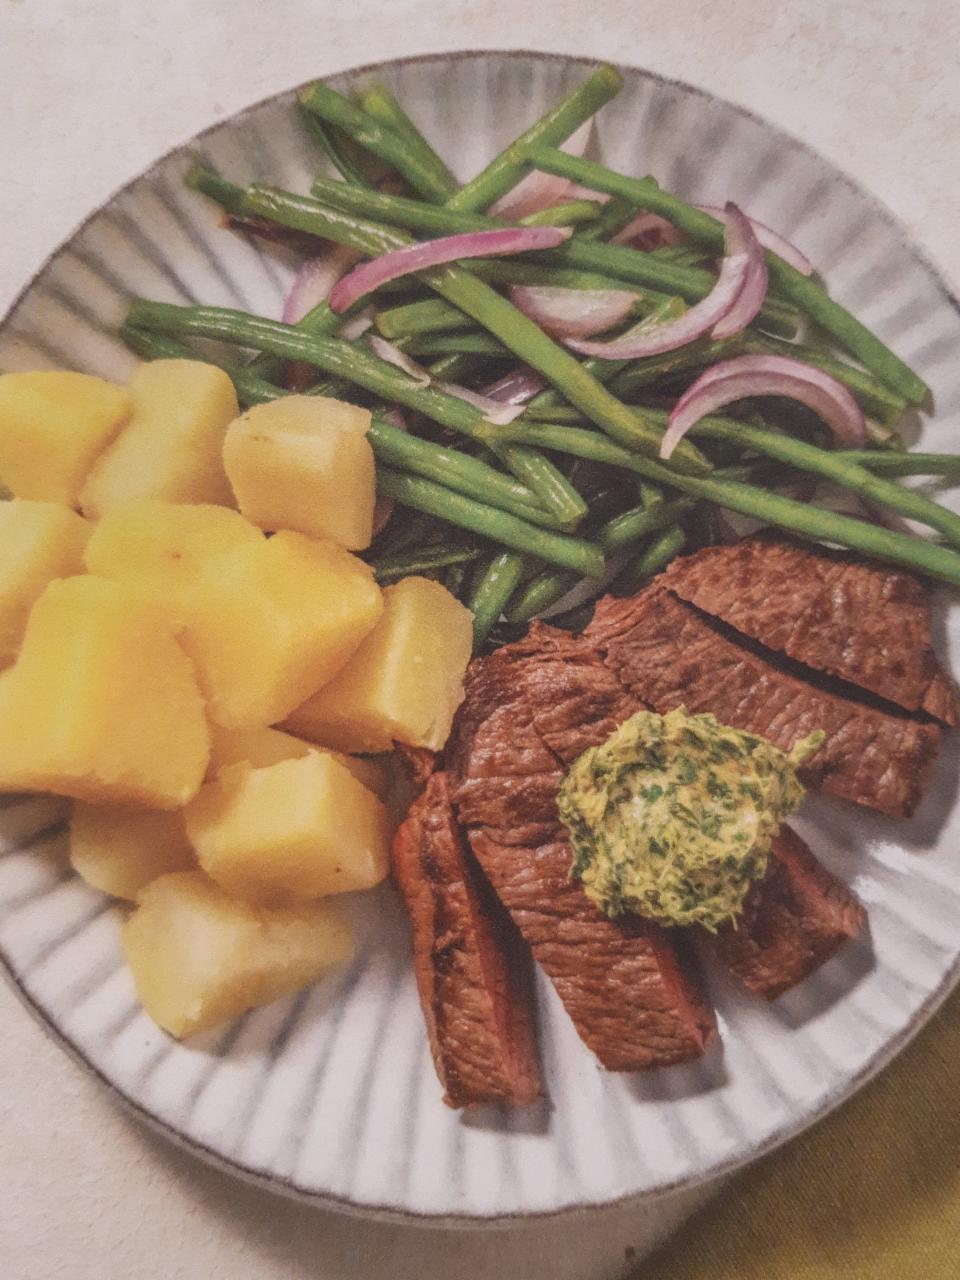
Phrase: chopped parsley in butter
{"type": "Point", "coordinates": [672, 817]}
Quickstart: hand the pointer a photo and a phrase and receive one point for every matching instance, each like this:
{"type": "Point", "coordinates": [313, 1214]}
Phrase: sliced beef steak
{"type": "Point", "coordinates": [472, 971]}
{"type": "Point", "coordinates": [530, 709]}
{"type": "Point", "coordinates": [667, 654]}
{"type": "Point", "coordinates": [860, 621]}
{"type": "Point", "coordinates": [793, 920]}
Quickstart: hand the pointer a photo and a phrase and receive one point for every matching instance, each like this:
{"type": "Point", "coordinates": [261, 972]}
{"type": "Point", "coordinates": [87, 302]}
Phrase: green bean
{"type": "Point", "coordinates": [211, 184]}
{"type": "Point", "coordinates": [382, 106]}
{"type": "Point", "coordinates": [652, 369]}
{"type": "Point", "coordinates": [844, 327]}
{"type": "Point", "coordinates": [656, 556]}
{"type": "Point", "coordinates": [333, 143]}
{"type": "Point", "coordinates": [875, 398]}
{"type": "Point", "coordinates": [827, 463]}
{"type": "Point", "coordinates": [507, 271]}
{"type": "Point", "coordinates": [355, 365]}
{"type": "Point", "coordinates": [456, 368]}
{"type": "Point", "coordinates": [454, 578]}
{"type": "Point", "coordinates": [905, 464]}
{"type": "Point", "coordinates": [431, 315]}
{"type": "Point", "coordinates": [515, 330]}
{"type": "Point", "coordinates": [476, 343]}
{"type": "Point", "coordinates": [556, 548]}
{"type": "Point", "coordinates": [505, 171]}
{"type": "Point", "coordinates": [681, 255]}
{"type": "Point", "coordinates": [640, 521]}
{"type": "Point", "coordinates": [491, 593]}
{"type": "Point", "coordinates": [542, 591]}
{"type": "Point", "coordinates": [773, 508]}
{"type": "Point", "coordinates": [396, 211]}
{"type": "Point", "coordinates": [570, 213]}
{"type": "Point", "coordinates": [403, 564]}
{"type": "Point", "coordinates": [614, 216]}
{"type": "Point", "coordinates": [335, 109]}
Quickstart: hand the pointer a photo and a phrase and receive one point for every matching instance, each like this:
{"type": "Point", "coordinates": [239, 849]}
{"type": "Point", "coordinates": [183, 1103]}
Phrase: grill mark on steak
{"type": "Point", "coordinates": [530, 709]}
{"type": "Point", "coordinates": [793, 920]}
{"type": "Point", "coordinates": [670, 655]}
{"type": "Point", "coordinates": [864, 623]}
{"type": "Point", "coordinates": [472, 971]}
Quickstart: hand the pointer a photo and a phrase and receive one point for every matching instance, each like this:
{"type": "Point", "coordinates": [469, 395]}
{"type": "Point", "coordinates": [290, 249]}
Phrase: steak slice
{"type": "Point", "coordinates": [669, 655]}
{"type": "Point", "coordinates": [472, 971]}
{"type": "Point", "coordinates": [530, 709]}
{"type": "Point", "coordinates": [863, 622]}
{"type": "Point", "coordinates": [793, 920]}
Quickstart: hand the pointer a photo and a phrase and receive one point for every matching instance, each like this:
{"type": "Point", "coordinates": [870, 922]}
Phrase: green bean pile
{"type": "Point", "coordinates": [571, 494]}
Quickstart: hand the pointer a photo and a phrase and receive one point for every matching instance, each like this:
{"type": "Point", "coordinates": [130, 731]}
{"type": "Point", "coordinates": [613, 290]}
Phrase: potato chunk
{"type": "Point", "coordinates": [262, 747]}
{"type": "Point", "coordinates": [53, 427]}
{"type": "Point", "coordinates": [266, 621]}
{"type": "Point", "coordinates": [172, 447]}
{"type": "Point", "coordinates": [405, 681]}
{"type": "Point", "coordinates": [304, 463]}
{"type": "Point", "coordinates": [199, 958]}
{"type": "Point", "coordinates": [102, 703]}
{"type": "Point", "coordinates": [119, 851]}
{"type": "Point", "coordinates": [41, 541]}
{"type": "Point", "coordinates": [291, 832]}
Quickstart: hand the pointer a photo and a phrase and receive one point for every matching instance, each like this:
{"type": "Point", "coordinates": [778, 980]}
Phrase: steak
{"type": "Point", "coordinates": [472, 971]}
{"type": "Point", "coordinates": [667, 654]}
{"type": "Point", "coordinates": [862, 622]}
{"type": "Point", "coordinates": [530, 709]}
{"type": "Point", "coordinates": [793, 920]}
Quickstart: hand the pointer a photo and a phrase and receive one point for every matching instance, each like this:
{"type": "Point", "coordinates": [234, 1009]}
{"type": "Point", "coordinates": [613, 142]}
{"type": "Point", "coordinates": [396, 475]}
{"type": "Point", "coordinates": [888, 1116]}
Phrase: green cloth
{"type": "Point", "coordinates": [872, 1193]}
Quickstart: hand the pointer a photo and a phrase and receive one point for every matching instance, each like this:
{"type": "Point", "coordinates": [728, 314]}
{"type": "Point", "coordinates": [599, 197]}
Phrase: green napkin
{"type": "Point", "coordinates": [872, 1193]}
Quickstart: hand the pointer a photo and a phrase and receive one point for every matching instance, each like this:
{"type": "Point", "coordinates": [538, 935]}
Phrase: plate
{"type": "Point", "coordinates": [331, 1095]}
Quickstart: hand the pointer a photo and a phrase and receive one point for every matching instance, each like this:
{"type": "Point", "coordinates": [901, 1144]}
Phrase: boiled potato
{"type": "Point", "coordinates": [291, 832]}
{"type": "Point", "coordinates": [102, 704]}
{"type": "Point", "coordinates": [172, 447]}
{"type": "Point", "coordinates": [119, 851]}
{"type": "Point", "coordinates": [41, 541]}
{"type": "Point", "coordinates": [53, 427]}
{"type": "Point", "coordinates": [405, 681]}
{"type": "Point", "coordinates": [262, 747]}
{"type": "Point", "coordinates": [266, 621]}
{"type": "Point", "coordinates": [276, 620]}
{"type": "Point", "coordinates": [199, 958]}
{"type": "Point", "coordinates": [304, 463]}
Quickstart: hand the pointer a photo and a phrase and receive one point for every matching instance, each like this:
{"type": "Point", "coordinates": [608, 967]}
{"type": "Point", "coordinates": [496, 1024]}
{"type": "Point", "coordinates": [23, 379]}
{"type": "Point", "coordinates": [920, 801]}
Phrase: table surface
{"type": "Point", "coordinates": [91, 94]}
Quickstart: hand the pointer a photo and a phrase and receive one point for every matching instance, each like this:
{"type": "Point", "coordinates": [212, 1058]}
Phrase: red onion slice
{"type": "Point", "coordinates": [494, 411]}
{"type": "Point", "coordinates": [357, 325]}
{"type": "Point", "coordinates": [650, 231]}
{"type": "Point", "coordinates": [748, 376]}
{"type": "Point", "coordinates": [400, 360]}
{"type": "Point", "coordinates": [433, 253]}
{"type": "Point", "coordinates": [516, 387]}
{"type": "Point", "coordinates": [739, 239]}
{"type": "Point", "coordinates": [538, 190]}
{"type": "Point", "coordinates": [572, 313]}
{"type": "Point", "coordinates": [771, 240]}
{"type": "Point", "coordinates": [730, 305]}
{"type": "Point", "coordinates": [314, 280]}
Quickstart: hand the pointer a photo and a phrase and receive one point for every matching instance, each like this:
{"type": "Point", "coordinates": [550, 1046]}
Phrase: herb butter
{"type": "Point", "coordinates": [672, 817]}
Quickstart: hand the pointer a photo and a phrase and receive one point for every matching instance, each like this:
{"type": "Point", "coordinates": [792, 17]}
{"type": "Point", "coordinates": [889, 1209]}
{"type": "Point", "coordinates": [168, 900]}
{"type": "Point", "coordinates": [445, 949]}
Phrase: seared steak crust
{"type": "Point", "coordinates": [793, 920]}
{"type": "Point", "coordinates": [472, 971]}
{"type": "Point", "coordinates": [530, 709]}
{"type": "Point", "coordinates": [668, 655]}
{"type": "Point", "coordinates": [862, 622]}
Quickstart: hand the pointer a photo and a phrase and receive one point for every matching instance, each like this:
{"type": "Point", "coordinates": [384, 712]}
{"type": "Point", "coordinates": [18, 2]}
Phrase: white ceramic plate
{"type": "Point", "coordinates": [332, 1094]}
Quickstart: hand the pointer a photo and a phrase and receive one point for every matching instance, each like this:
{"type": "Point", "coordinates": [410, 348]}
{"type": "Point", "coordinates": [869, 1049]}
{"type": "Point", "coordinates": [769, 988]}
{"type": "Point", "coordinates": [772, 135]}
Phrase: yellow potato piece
{"type": "Point", "coordinates": [304, 463]}
{"type": "Point", "coordinates": [405, 681]}
{"type": "Point", "coordinates": [262, 747]}
{"type": "Point", "coordinates": [172, 447]}
{"type": "Point", "coordinates": [291, 832]}
{"type": "Point", "coordinates": [102, 703]}
{"type": "Point", "coordinates": [41, 541]}
{"type": "Point", "coordinates": [199, 958]}
{"type": "Point", "coordinates": [119, 851]}
{"type": "Point", "coordinates": [266, 621]}
{"type": "Point", "coordinates": [53, 427]}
